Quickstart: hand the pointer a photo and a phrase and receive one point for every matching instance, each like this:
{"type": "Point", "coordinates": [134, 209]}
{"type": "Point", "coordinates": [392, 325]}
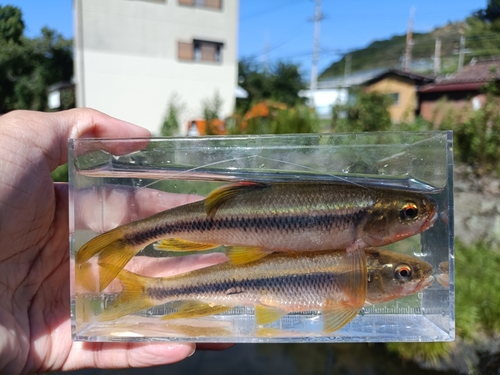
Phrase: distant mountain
{"type": "Point", "coordinates": [389, 53]}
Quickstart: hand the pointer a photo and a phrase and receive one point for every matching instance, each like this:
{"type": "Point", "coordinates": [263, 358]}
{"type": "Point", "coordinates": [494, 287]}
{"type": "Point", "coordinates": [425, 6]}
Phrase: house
{"type": "Point", "coordinates": [453, 93]}
{"type": "Point", "coordinates": [402, 86]}
{"type": "Point", "coordinates": [132, 56]}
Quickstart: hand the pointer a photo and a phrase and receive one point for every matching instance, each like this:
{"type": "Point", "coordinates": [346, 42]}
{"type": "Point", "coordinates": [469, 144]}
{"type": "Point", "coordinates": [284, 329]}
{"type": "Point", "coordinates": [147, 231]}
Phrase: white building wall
{"type": "Point", "coordinates": [126, 58]}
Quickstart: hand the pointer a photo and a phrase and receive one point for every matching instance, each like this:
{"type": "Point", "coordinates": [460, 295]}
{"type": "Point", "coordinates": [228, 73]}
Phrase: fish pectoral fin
{"type": "Point", "coordinates": [336, 318]}
{"type": "Point", "coordinates": [223, 194]}
{"type": "Point", "coordinates": [268, 314]}
{"type": "Point", "coordinates": [196, 309]}
{"type": "Point", "coordinates": [178, 244]}
{"type": "Point", "coordinates": [246, 254]}
{"type": "Point", "coordinates": [130, 300]}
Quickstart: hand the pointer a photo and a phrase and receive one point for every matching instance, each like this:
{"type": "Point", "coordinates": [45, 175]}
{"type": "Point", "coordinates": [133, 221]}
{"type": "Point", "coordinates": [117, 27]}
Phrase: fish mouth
{"type": "Point", "coordinates": [425, 283]}
{"type": "Point", "coordinates": [431, 219]}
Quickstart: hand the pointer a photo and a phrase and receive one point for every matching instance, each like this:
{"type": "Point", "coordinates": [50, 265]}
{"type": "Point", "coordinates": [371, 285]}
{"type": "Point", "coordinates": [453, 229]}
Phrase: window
{"type": "Point", "coordinates": [395, 98]}
{"type": "Point", "coordinates": [201, 51]}
{"type": "Point", "coordinates": [211, 4]}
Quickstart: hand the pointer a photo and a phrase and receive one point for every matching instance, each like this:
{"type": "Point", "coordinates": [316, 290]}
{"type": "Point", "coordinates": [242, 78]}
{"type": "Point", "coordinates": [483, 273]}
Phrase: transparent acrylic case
{"type": "Point", "coordinates": [119, 181]}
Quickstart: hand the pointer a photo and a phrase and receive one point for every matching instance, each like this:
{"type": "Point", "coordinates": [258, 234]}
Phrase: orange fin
{"type": "Point", "coordinates": [246, 254]}
{"type": "Point", "coordinates": [195, 309]}
{"type": "Point", "coordinates": [268, 314]}
{"type": "Point", "coordinates": [225, 193]}
{"type": "Point", "coordinates": [86, 277]}
{"type": "Point", "coordinates": [178, 244]}
{"type": "Point", "coordinates": [131, 299]}
{"type": "Point", "coordinates": [197, 331]}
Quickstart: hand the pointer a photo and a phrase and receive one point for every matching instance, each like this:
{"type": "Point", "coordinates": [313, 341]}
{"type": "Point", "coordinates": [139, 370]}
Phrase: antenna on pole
{"type": "Point", "coordinates": [409, 41]}
{"type": "Point", "coordinates": [315, 58]}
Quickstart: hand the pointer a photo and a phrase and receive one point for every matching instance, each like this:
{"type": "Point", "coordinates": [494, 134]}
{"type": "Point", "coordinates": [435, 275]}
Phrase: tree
{"type": "Point", "coordinates": [29, 66]}
{"type": "Point", "coordinates": [369, 112]}
{"type": "Point", "coordinates": [280, 82]}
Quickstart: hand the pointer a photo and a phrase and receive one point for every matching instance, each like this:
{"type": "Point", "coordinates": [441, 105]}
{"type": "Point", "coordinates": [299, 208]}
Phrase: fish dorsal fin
{"type": "Point", "coordinates": [246, 254]}
{"type": "Point", "coordinates": [268, 314]}
{"type": "Point", "coordinates": [178, 244]}
{"type": "Point", "coordinates": [353, 283]}
{"type": "Point", "coordinates": [225, 193]}
{"type": "Point", "coordinates": [196, 309]}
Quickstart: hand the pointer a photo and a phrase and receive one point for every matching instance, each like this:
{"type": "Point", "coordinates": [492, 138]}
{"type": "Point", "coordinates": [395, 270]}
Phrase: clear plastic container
{"type": "Point", "coordinates": [119, 181]}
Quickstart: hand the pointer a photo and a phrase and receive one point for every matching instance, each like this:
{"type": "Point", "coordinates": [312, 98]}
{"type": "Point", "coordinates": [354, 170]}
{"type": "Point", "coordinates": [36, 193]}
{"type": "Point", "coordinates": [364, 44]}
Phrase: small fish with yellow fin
{"type": "Point", "coordinates": [334, 282]}
{"type": "Point", "coordinates": [263, 218]}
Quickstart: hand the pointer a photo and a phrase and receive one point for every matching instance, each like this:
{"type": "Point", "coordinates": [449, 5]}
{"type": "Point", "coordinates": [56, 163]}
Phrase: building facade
{"type": "Point", "coordinates": [133, 56]}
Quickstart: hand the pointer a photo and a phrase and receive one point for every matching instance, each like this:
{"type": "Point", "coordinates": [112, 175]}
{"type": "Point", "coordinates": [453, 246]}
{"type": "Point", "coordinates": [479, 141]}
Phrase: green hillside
{"type": "Point", "coordinates": [388, 53]}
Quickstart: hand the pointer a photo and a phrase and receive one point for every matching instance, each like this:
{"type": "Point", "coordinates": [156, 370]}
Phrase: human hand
{"type": "Point", "coordinates": [35, 327]}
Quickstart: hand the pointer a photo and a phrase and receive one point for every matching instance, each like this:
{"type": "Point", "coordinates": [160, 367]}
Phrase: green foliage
{"type": "Point", "coordinates": [281, 82]}
{"type": "Point", "coordinates": [29, 66]}
{"type": "Point", "coordinates": [298, 119]}
{"type": "Point", "coordinates": [387, 53]}
{"type": "Point", "coordinates": [477, 133]}
{"type": "Point", "coordinates": [171, 122]}
{"type": "Point", "coordinates": [369, 112]}
{"type": "Point", "coordinates": [211, 111]}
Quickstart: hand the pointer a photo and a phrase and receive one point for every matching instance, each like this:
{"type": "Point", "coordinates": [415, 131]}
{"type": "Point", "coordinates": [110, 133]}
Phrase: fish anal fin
{"type": "Point", "coordinates": [178, 244]}
{"type": "Point", "coordinates": [131, 299]}
{"type": "Point", "coordinates": [268, 314]}
{"type": "Point", "coordinates": [336, 318]}
{"type": "Point", "coordinates": [196, 309]}
{"type": "Point", "coordinates": [225, 193]}
{"type": "Point", "coordinates": [246, 254]}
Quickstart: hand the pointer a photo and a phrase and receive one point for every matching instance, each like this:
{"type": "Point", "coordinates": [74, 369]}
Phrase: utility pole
{"type": "Point", "coordinates": [315, 58]}
{"type": "Point", "coordinates": [437, 57]}
{"type": "Point", "coordinates": [409, 41]}
{"type": "Point", "coordinates": [347, 68]}
{"type": "Point", "coordinates": [461, 52]}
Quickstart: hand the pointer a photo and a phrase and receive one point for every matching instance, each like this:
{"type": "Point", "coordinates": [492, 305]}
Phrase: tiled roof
{"type": "Point", "coordinates": [472, 76]}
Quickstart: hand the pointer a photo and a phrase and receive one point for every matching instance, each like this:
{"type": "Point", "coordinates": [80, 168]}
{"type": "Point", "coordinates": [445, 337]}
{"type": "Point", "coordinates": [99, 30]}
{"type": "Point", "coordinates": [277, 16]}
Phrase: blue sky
{"type": "Point", "coordinates": [282, 27]}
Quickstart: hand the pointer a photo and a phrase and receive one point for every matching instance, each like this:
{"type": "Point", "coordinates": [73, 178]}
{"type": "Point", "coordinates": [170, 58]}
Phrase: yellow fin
{"type": "Point", "coordinates": [353, 285]}
{"type": "Point", "coordinates": [217, 197]}
{"type": "Point", "coordinates": [131, 299]}
{"type": "Point", "coordinates": [115, 257]}
{"type": "Point", "coordinates": [178, 244]}
{"type": "Point", "coordinates": [268, 314]}
{"type": "Point", "coordinates": [195, 309]}
{"type": "Point", "coordinates": [85, 276]}
{"type": "Point", "coordinates": [336, 318]}
{"type": "Point", "coordinates": [246, 254]}
{"type": "Point", "coordinates": [99, 243]}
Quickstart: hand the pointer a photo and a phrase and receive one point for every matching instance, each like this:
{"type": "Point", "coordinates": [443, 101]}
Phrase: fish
{"type": "Point", "coordinates": [334, 282]}
{"type": "Point", "coordinates": [262, 218]}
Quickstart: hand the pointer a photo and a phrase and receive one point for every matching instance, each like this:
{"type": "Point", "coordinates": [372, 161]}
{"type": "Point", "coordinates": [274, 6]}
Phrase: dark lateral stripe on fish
{"type": "Point", "coordinates": [257, 224]}
{"type": "Point", "coordinates": [314, 281]}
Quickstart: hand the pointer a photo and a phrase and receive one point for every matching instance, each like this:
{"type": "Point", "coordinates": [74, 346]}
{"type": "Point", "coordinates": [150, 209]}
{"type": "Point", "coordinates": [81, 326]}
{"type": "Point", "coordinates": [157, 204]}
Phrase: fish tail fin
{"type": "Point", "coordinates": [131, 299]}
{"type": "Point", "coordinates": [113, 250]}
{"type": "Point", "coordinates": [98, 244]}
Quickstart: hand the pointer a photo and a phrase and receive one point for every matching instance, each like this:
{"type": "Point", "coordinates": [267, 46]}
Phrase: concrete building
{"type": "Point", "coordinates": [131, 56]}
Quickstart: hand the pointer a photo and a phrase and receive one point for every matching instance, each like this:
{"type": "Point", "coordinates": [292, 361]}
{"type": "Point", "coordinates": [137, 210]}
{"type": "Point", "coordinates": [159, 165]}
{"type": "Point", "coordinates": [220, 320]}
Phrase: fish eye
{"type": "Point", "coordinates": [402, 272]}
{"type": "Point", "coordinates": [409, 211]}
